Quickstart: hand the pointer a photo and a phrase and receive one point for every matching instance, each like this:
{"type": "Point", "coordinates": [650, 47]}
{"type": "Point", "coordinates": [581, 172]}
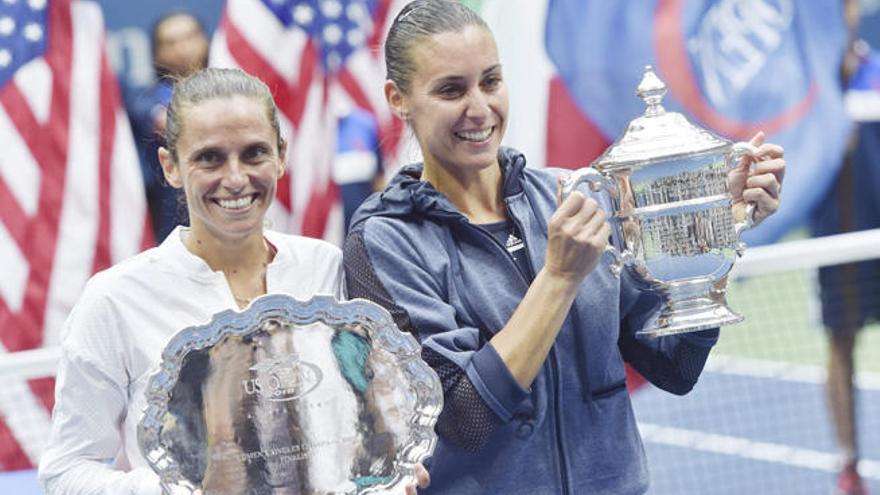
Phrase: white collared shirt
{"type": "Point", "coordinates": [113, 340]}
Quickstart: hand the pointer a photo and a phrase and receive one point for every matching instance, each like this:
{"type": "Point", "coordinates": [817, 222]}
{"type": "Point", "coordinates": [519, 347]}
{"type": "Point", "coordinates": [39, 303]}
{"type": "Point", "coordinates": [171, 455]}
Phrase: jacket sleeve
{"type": "Point", "coordinates": [672, 363]}
{"type": "Point", "coordinates": [91, 401]}
{"type": "Point", "coordinates": [479, 391]}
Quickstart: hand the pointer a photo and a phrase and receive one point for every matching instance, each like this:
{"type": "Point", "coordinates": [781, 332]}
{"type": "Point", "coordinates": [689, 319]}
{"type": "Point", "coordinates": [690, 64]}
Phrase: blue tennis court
{"type": "Point", "coordinates": [751, 427]}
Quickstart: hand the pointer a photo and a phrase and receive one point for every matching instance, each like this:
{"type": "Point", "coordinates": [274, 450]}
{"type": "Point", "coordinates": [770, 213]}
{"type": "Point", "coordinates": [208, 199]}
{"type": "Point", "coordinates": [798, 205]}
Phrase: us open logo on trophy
{"type": "Point", "coordinates": [282, 379]}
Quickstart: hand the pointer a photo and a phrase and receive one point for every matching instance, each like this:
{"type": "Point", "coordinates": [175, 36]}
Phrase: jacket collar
{"type": "Point", "coordinates": [407, 194]}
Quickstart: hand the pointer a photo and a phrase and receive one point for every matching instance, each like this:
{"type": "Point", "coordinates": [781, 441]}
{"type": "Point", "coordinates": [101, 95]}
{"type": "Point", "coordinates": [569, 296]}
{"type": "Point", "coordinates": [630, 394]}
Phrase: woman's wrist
{"type": "Point", "coordinates": [566, 282]}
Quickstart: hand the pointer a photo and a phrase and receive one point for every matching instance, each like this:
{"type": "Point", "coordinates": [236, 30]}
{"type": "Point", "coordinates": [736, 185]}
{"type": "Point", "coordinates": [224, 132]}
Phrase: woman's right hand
{"type": "Point", "coordinates": [423, 479]}
{"type": "Point", "coordinates": [576, 238]}
{"type": "Point", "coordinates": [577, 235]}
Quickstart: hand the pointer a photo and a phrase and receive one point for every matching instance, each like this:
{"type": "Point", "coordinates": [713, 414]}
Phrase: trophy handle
{"type": "Point", "coordinates": [738, 151]}
{"type": "Point", "coordinates": [598, 182]}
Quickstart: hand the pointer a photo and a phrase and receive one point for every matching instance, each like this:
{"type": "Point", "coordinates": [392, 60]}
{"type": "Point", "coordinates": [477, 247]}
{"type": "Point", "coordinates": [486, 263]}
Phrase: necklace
{"type": "Point", "coordinates": [244, 302]}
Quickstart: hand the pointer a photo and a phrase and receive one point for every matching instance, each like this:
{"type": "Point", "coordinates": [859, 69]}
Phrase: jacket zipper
{"type": "Point", "coordinates": [563, 461]}
{"type": "Point", "coordinates": [554, 360]}
{"type": "Point", "coordinates": [554, 373]}
{"type": "Point", "coordinates": [485, 330]}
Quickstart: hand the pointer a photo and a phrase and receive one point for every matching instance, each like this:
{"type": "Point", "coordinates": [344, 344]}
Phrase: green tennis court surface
{"type": "Point", "coordinates": [783, 323]}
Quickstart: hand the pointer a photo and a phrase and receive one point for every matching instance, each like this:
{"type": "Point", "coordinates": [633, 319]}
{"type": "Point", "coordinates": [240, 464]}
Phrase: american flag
{"type": "Point", "coordinates": [320, 58]}
{"type": "Point", "coordinates": [71, 193]}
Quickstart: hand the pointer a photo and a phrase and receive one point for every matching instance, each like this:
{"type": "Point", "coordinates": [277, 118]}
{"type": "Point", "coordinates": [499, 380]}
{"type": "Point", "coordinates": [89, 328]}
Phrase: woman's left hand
{"type": "Point", "coordinates": [760, 186]}
{"type": "Point", "coordinates": [422, 478]}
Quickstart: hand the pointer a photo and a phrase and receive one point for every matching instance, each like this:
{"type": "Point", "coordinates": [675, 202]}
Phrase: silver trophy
{"type": "Point", "coordinates": [672, 218]}
{"type": "Point", "coordinates": [291, 397]}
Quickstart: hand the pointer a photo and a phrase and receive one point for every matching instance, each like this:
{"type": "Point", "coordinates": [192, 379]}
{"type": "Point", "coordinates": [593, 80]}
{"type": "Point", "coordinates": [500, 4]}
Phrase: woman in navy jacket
{"type": "Point", "coordinates": [507, 292]}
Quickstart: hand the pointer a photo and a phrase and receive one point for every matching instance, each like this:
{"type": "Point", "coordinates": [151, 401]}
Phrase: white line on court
{"type": "Point", "coordinates": [798, 373]}
{"type": "Point", "coordinates": [750, 449]}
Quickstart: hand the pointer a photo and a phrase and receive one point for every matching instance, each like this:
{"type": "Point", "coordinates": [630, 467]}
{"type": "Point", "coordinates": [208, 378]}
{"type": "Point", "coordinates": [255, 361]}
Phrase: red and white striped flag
{"type": "Point", "coordinates": [319, 58]}
{"type": "Point", "coordinates": [71, 192]}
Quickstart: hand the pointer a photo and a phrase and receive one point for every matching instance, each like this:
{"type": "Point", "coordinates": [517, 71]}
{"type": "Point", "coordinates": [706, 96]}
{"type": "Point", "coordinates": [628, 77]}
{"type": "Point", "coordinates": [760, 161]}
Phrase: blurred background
{"type": "Point", "coordinates": [790, 400]}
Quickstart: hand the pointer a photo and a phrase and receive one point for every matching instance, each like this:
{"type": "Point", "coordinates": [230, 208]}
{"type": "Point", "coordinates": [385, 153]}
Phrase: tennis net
{"type": "Point", "coordinates": [758, 421]}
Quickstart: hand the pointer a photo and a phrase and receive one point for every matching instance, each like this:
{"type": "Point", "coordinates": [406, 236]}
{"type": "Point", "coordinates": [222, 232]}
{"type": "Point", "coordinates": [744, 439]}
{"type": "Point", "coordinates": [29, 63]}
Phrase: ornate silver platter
{"type": "Point", "coordinates": [291, 397]}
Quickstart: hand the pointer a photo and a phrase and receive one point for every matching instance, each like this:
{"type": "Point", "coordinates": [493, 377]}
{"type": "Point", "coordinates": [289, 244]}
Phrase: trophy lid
{"type": "Point", "coordinates": [657, 134]}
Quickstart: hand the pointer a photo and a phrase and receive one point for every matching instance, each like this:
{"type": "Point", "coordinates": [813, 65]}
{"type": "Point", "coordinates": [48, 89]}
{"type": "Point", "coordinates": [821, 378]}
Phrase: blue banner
{"type": "Point", "coordinates": [732, 66]}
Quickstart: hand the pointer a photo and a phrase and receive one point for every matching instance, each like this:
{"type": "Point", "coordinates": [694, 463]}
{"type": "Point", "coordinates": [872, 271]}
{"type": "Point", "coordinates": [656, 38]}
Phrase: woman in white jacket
{"type": "Point", "coordinates": [225, 150]}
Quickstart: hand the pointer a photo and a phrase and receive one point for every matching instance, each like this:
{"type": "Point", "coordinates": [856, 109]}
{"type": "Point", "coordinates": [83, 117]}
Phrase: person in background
{"type": "Point", "coordinates": [180, 47]}
{"type": "Point", "coordinates": [357, 166]}
{"type": "Point", "coordinates": [849, 293]}
{"type": "Point", "coordinates": [504, 284]}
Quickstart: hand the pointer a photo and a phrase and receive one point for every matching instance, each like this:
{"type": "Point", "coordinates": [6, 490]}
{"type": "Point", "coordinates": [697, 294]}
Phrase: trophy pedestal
{"type": "Point", "coordinates": [690, 306]}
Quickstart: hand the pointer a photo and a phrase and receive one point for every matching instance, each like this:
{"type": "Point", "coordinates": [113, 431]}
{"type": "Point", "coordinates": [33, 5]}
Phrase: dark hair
{"type": "Point", "coordinates": [162, 72]}
{"type": "Point", "coordinates": [417, 20]}
{"type": "Point", "coordinates": [212, 83]}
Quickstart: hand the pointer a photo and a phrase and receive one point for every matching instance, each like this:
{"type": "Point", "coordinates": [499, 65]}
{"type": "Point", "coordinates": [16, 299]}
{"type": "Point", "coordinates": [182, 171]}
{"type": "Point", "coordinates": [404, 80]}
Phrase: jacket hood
{"type": "Point", "coordinates": [407, 194]}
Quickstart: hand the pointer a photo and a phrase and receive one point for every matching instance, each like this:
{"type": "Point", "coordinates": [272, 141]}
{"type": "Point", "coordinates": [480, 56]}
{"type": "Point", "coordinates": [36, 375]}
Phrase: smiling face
{"type": "Point", "coordinates": [228, 162]}
{"type": "Point", "coordinates": [457, 100]}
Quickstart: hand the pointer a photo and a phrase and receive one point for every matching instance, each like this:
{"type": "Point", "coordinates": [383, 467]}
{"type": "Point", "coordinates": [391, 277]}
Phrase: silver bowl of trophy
{"type": "Point", "coordinates": [291, 397]}
{"type": "Point", "coordinates": [672, 219]}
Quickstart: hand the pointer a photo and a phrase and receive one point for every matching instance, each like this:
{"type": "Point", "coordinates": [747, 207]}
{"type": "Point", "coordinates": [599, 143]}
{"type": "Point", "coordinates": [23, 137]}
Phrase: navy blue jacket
{"type": "Point", "coordinates": [164, 201]}
{"type": "Point", "coordinates": [452, 285]}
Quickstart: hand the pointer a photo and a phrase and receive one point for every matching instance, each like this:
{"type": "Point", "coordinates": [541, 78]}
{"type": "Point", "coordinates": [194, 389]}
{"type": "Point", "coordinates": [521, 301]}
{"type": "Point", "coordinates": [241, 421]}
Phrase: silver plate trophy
{"type": "Point", "coordinates": [672, 218]}
{"type": "Point", "coordinates": [291, 397]}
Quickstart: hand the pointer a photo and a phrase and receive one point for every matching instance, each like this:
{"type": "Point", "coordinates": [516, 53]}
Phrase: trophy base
{"type": "Point", "coordinates": [690, 307]}
{"type": "Point", "coordinates": [674, 322]}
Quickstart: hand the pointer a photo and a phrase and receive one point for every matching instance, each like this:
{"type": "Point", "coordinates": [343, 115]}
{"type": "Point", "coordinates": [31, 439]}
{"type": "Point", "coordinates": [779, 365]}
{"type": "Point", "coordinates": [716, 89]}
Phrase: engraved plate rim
{"type": "Point", "coordinates": [376, 321]}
